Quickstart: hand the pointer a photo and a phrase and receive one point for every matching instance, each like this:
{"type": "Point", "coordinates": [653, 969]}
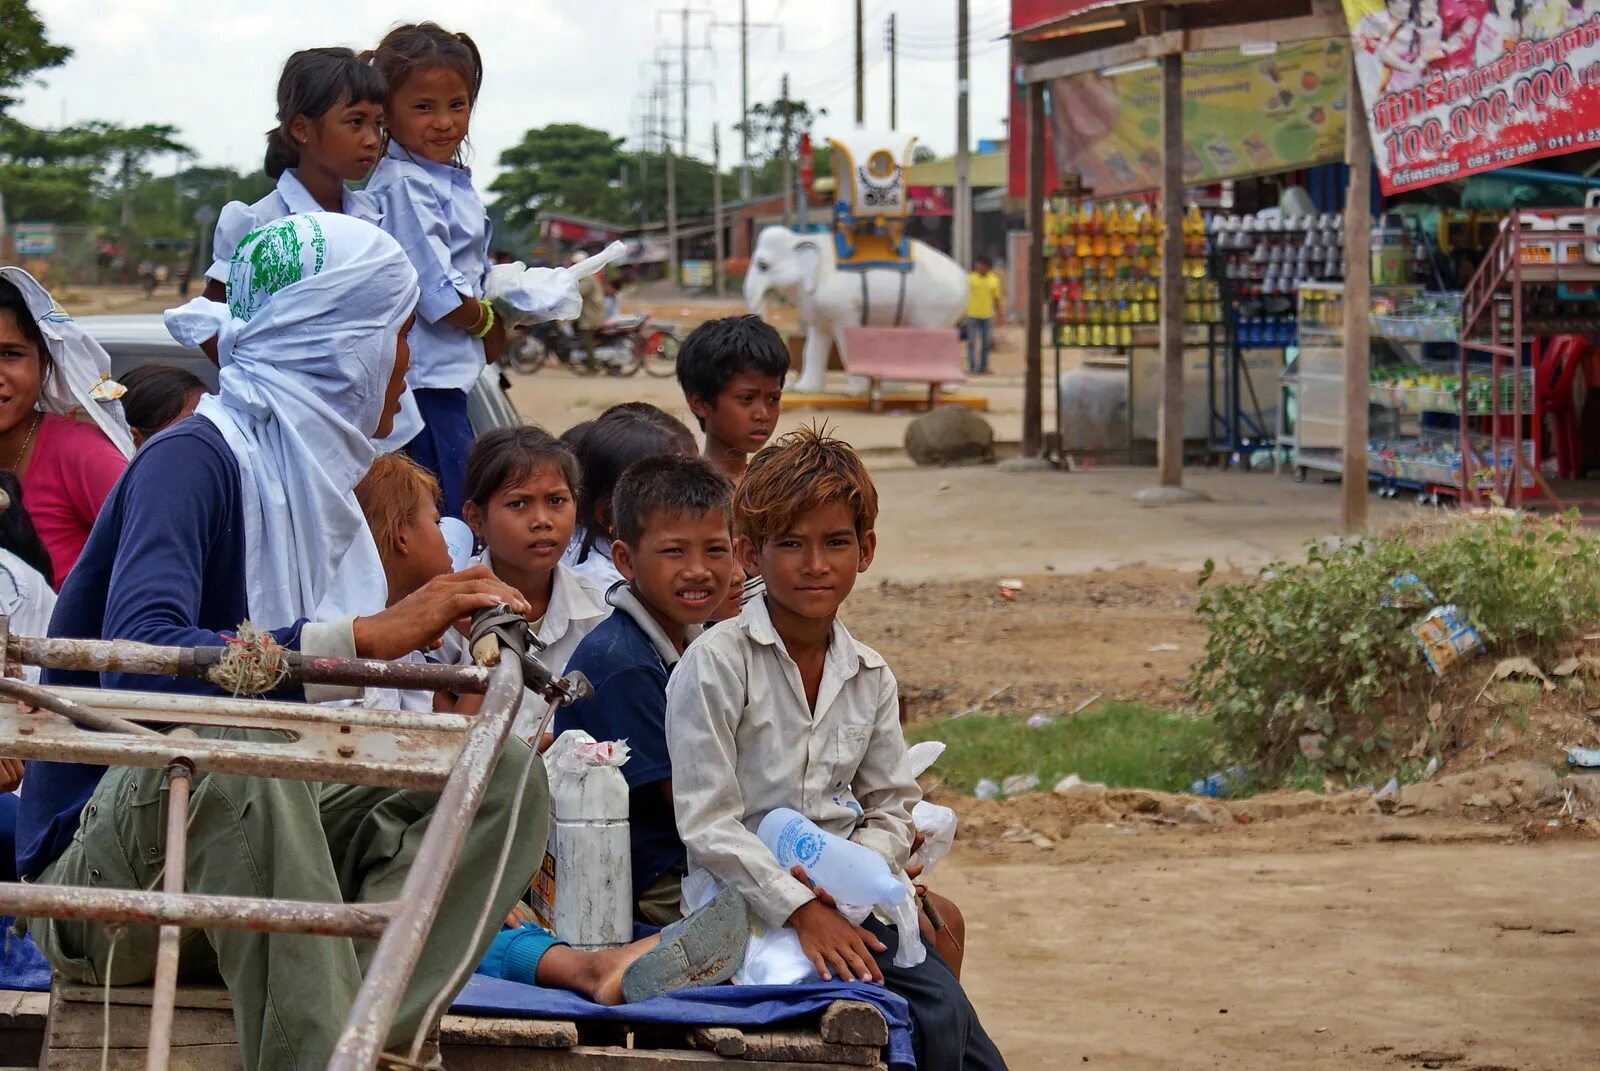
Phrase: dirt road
{"type": "Point", "coordinates": [1308, 944]}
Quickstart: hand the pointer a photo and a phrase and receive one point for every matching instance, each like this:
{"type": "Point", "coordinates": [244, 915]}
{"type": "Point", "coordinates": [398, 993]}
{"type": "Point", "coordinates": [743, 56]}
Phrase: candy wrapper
{"type": "Point", "coordinates": [523, 295]}
{"type": "Point", "coordinates": [1446, 638]}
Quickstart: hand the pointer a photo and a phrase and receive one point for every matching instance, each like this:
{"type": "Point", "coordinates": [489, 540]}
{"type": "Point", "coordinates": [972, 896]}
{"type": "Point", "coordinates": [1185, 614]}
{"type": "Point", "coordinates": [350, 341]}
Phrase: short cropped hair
{"type": "Point", "coordinates": [507, 455]}
{"type": "Point", "coordinates": [389, 493]}
{"type": "Point", "coordinates": [718, 350]}
{"type": "Point", "coordinates": [803, 471]}
{"type": "Point", "coordinates": [666, 485]}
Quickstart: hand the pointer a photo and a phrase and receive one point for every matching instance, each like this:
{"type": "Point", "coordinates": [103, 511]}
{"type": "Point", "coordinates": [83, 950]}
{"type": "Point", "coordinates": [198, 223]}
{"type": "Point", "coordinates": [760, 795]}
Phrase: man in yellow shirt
{"type": "Point", "coordinates": [983, 302]}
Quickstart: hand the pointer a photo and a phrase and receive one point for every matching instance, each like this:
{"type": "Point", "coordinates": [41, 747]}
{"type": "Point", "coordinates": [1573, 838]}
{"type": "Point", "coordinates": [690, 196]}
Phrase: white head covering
{"type": "Point", "coordinates": [80, 380]}
{"type": "Point", "coordinates": [307, 346]}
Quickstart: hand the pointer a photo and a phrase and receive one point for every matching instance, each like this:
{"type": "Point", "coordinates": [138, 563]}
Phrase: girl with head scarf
{"type": "Point", "coordinates": [248, 512]}
{"type": "Point", "coordinates": [52, 372]}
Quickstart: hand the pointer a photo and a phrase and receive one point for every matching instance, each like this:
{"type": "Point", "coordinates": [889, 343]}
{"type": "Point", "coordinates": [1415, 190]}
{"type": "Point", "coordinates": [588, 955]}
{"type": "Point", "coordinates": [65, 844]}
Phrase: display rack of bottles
{"type": "Point", "coordinates": [1105, 270]}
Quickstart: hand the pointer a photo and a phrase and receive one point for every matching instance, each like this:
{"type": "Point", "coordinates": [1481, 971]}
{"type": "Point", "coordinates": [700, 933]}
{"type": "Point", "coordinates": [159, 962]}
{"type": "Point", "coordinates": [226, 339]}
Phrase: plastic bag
{"type": "Point", "coordinates": [523, 295]}
{"type": "Point", "coordinates": [582, 755]}
{"type": "Point", "coordinates": [924, 755]}
{"type": "Point", "coordinates": [938, 827]}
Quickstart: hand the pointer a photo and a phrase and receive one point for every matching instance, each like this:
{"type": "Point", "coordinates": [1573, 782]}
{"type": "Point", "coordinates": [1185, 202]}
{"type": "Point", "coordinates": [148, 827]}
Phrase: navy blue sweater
{"type": "Point", "coordinates": [165, 564]}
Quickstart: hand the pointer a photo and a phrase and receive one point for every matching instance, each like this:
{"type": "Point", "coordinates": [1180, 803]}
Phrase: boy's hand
{"type": "Point", "coordinates": [10, 775]}
{"type": "Point", "coordinates": [830, 942]}
{"type": "Point", "coordinates": [417, 622]}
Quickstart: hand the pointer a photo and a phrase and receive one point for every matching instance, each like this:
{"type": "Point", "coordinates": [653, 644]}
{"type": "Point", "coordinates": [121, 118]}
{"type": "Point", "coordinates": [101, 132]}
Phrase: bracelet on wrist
{"type": "Point", "coordinates": [485, 325]}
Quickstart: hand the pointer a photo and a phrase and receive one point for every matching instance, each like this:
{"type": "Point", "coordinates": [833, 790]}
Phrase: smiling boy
{"type": "Point", "coordinates": [676, 553]}
{"type": "Point", "coordinates": [731, 371]}
{"type": "Point", "coordinates": [784, 708]}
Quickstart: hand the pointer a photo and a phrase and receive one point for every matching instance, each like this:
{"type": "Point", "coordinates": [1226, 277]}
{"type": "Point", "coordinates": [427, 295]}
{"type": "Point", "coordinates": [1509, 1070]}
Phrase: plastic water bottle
{"type": "Point", "coordinates": [593, 892]}
{"type": "Point", "coordinates": [850, 873]}
{"type": "Point", "coordinates": [1220, 784]}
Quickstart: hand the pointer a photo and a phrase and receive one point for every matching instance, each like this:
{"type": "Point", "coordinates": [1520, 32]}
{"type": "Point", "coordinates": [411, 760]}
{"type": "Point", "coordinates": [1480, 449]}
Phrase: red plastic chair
{"type": "Point", "coordinates": [1554, 374]}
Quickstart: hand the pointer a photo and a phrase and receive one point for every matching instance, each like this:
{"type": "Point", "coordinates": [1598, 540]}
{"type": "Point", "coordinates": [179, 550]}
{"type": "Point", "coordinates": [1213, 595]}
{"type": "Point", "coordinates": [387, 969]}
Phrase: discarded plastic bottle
{"type": "Point", "coordinates": [852, 874]}
{"type": "Point", "coordinates": [1222, 783]}
{"type": "Point", "coordinates": [986, 790]}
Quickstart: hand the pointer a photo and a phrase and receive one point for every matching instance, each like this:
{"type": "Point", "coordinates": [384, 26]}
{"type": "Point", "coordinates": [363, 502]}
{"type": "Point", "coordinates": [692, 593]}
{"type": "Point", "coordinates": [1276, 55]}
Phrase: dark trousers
{"type": "Point", "coordinates": [444, 442]}
{"type": "Point", "coordinates": [945, 1031]}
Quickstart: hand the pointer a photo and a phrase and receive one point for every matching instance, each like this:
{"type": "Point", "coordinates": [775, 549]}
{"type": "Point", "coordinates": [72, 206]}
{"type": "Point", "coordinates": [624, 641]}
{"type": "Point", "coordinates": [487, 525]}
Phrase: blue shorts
{"type": "Point", "coordinates": [444, 442]}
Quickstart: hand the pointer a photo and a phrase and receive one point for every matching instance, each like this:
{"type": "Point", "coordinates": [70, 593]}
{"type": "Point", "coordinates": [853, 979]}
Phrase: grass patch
{"type": "Point", "coordinates": [1124, 745]}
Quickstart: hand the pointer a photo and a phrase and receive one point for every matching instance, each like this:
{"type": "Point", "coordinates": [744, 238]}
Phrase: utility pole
{"type": "Point", "coordinates": [684, 14]}
{"type": "Point", "coordinates": [788, 159]}
{"type": "Point", "coordinates": [961, 217]}
{"type": "Point", "coordinates": [744, 26]}
{"type": "Point", "coordinates": [861, 69]}
{"type": "Point", "coordinates": [716, 210]}
{"type": "Point", "coordinates": [894, 78]}
{"type": "Point", "coordinates": [672, 188]}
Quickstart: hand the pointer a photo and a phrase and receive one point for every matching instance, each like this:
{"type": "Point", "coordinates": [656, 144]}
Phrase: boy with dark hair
{"type": "Point", "coordinates": [783, 708]}
{"type": "Point", "coordinates": [731, 371]}
{"type": "Point", "coordinates": [674, 549]}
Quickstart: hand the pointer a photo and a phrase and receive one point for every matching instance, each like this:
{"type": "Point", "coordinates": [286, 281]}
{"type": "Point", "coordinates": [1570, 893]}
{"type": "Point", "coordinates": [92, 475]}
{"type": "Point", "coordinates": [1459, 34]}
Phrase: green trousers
{"type": "Point", "coordinates": [290, 840]}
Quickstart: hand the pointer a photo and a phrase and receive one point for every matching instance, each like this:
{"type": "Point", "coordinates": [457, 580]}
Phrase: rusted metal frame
{"type": "Point", "coordinates": [125, 656]}
{"type": "Point", "coordinates": [164, 996]}
{"type": "Point", "coordinates": [366, 1028]}
{"type": "Point", "coordinates": [196, 910]}
{"type": "Point", "coordinates": [51, 741]}
{"type": "Point", "coordinates": [167, 707]}
{"type": "Point", "coordinates": [77, 713]}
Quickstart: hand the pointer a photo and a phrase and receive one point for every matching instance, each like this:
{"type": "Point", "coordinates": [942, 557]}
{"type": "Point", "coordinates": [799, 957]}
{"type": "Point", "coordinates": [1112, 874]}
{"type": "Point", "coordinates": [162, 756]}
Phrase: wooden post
{"type": "Point", "coordinates": [1032, 386]}
{"type": "Point", "coordinates": [1169, 448]}
{"type": "Point", "coordinates": [1357, 302]}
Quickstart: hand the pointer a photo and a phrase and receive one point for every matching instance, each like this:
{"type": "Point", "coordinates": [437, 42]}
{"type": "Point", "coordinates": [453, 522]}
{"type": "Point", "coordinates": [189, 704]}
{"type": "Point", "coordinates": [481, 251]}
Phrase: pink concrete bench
{"type": "Point", "coordinates": [930, 355]}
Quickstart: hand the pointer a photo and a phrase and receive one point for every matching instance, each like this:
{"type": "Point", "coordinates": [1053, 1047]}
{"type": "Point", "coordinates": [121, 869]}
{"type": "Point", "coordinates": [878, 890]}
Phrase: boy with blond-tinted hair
{"type": "Point", "coordinates": [783, 708]}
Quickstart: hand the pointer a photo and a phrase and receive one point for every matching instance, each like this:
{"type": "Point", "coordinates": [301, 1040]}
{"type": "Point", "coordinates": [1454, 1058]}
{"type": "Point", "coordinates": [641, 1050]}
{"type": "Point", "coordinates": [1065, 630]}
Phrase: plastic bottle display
{"type": "Point", "coordinates": [1105, 270]}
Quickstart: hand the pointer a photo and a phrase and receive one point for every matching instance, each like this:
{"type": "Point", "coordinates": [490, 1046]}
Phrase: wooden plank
{"type": "Point", "coordinates": [508, 1033]}
{"type": "Point", "coordinates": [1275, 31]}
{"type": "Point", "coordinates": [854, 1022]}
{"type": "Point", "coordinates": [1145, 48]}
{"type": "Point", "coordinates": [189, 996]}
{"type": "Point", "coordinates": [1033, 354]}
{"type": "Point", "coordinates": [81, 1026]}
{"type": "Point", "coordinates": [804, 1046]}
{"type": "Point", "coordinates": [616, 1058]}
{"type": "Point", "coordinates": [22, 1008]}
{"type": "Point", "coordinates": [191, 1058]}
{"type": "Point", "coordinates": [722, 1040]}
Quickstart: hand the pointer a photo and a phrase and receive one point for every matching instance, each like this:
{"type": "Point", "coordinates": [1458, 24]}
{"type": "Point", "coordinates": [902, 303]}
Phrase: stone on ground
{"type": "Point", "coordinates": [950, 435]}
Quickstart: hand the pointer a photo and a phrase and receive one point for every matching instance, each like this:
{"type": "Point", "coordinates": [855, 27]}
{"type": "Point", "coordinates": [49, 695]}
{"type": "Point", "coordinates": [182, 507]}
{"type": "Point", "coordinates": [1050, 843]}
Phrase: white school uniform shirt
{"type": "Point", "coordinates": [598, 566]}
{"type": "Point", "coordinates": [577, 606]}
{"type": "Point", "coordinates": [27, 600]}
{"type": "Point", "coordinates": [238, 219]}
{"type": "Point", "coordinates": [439, 220]}
{"type": "Point", "coordinates": [744, 741]}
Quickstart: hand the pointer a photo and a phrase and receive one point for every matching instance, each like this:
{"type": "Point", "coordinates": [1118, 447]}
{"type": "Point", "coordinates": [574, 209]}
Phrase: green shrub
{"type": "Point", "coordinates": [1313, 649]}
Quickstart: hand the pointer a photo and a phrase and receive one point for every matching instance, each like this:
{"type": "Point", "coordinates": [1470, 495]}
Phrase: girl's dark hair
{"type": "Point", "coordinates": [574, 435]}
{"type": "Point", "coordinates": [506, 455]}
{"type": "Point", "coordinates": [17, 533]}
{"type": "Point", "coordinates": [418, 46]}
{"type": "Point", "coordinates": [156, 395]}
{"type": "Point", "coordinates": [313, 83]}
{"type": "Point", "coordinates": [12, 301]}
{"type": "Point", "coordinates": [621, 436]}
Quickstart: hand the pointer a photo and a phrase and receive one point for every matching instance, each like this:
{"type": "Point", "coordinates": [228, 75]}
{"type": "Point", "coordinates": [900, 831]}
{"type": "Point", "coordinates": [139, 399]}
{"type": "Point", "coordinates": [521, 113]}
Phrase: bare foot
{"type": "Point", "coordinates": [596, 975]}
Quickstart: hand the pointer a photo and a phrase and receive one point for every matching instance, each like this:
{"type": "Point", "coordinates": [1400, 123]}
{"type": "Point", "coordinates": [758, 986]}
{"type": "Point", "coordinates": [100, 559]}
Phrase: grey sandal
{"type": "Point", "coordinates": [704, 949]}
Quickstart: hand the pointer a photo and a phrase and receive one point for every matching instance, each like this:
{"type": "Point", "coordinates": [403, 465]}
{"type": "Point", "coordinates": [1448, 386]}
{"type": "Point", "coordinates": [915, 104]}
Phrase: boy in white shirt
{"type": "Point", "coordinates": [783, 708]}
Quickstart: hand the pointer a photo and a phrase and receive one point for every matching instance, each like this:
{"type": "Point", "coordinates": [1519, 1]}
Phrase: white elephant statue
{"type": "Point", "coordinates": [801, 268]}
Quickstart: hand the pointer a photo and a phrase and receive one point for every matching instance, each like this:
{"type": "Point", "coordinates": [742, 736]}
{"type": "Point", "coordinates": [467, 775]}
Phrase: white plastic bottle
{"type": "Point", "coordinates": [849, 872]}
{"type": "Point", "coordinates": [589, 839]}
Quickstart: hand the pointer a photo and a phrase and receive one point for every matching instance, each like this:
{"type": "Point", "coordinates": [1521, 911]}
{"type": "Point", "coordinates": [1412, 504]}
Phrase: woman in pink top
{"type": "Point", "coordinates": [51, 371]}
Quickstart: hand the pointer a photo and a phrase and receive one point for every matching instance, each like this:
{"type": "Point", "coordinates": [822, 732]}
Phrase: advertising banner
{"type": "Point", "coordinates": [1242, 115]}
{"type": "Point", "coordinates": [1456, 87]}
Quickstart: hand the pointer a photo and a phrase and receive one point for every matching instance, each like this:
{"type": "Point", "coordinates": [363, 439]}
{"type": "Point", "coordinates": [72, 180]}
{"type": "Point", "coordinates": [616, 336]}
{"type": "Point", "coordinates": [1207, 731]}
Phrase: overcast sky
{"type": "Point", "coordinates": [211, 69]}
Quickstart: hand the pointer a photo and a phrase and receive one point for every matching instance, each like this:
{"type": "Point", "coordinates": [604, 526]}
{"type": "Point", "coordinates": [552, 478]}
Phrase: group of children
{"type": "Point", "coordinates": [338, 319]}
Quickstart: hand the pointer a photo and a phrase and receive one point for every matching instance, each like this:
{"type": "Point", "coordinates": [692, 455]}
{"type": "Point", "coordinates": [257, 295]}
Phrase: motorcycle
{"type": "Point", "coordinates": [619, 348]}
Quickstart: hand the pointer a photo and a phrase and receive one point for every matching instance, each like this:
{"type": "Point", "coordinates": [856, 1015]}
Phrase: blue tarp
{"type": "Point", "coordinates": [23, 967]}
{"type": "Point", "coordinates": [723, 1005]}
